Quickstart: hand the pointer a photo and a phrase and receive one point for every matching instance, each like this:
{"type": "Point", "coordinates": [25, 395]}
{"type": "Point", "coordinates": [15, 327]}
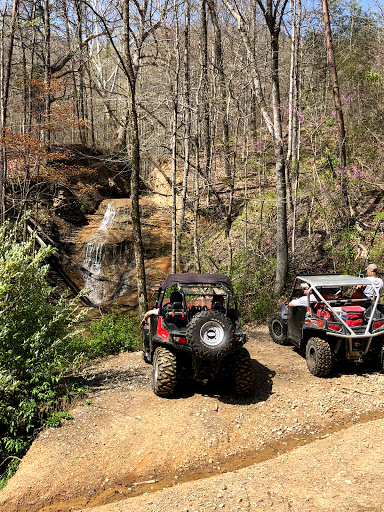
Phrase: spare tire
{"type": "Point", "coordinates": [210, 334]}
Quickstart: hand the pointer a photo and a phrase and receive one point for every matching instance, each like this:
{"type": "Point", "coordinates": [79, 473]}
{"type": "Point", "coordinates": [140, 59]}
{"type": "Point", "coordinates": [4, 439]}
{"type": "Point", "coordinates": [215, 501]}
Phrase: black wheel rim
{"type": "Point", "coordinates": [276, 327]}
{"type": "Point", "coordinates": [311, 357]}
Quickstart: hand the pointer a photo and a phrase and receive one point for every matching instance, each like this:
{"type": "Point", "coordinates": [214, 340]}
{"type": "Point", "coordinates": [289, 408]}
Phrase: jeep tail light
{"type": "Point", "coordinates": [180, 339]}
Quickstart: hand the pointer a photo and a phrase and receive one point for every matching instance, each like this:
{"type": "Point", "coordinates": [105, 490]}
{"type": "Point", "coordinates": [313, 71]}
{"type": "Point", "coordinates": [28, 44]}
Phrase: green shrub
{"type": "Point", "coordinates": [34, 332]}
{"type": "Point", "coordinates": [10, 470]}
{"type": "Point", "coordinates": [39, 344]}
{"type": "Point", "coordinates": [54, 420]}
{"type": "Point", "coordinates": [253, 279]}
{"type": "Point", "coordinates": [112, 334]}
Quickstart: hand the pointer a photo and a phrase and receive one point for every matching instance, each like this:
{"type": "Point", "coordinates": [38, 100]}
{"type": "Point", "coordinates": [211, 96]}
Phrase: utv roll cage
{"type": "Point", "coordinates": [328, 290]}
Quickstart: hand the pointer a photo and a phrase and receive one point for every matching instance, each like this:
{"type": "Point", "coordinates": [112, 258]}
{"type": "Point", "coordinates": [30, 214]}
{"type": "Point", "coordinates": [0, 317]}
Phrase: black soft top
{"type": "Point", "coordinates": [172, 279]}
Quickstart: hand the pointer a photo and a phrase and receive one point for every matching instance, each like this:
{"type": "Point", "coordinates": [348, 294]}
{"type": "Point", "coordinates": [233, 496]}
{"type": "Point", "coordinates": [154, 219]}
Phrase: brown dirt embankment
{"type": "Point", "coordinates": [298, 443]}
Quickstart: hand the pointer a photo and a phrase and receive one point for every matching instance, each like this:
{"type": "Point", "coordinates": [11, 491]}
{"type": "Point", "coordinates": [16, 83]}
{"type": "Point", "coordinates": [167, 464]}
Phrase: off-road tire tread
{"type": "Point", "coordinates": [282, 338]}
{"type": "Point", "coordinates": [193, 336]}
{"type": "Point", "coordinates": [324, 357]}
{"type": "Point", "coordinates": [166, 372]}
{"type": "Point", "coordinates": [243, 373]}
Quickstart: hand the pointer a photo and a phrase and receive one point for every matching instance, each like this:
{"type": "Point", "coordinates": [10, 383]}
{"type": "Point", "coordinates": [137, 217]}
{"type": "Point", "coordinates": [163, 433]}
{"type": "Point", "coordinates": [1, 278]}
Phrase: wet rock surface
{"type": "Point", "coordinates": [297, 443]}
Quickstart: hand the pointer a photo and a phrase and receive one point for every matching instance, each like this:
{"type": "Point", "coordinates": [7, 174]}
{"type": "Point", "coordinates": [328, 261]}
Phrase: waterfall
{"type": "Point", "coordinates": [93, 258]}
{"type": "Point", "coordinates": [109, 216]}
{"type": "Point", "coordinates": [103, 251]}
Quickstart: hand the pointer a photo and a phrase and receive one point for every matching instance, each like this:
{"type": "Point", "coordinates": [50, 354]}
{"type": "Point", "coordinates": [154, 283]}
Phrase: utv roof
{"type": "Point", "coordinates": [334, 280]}
{"type": "Point", "coordinates": [173, 279]}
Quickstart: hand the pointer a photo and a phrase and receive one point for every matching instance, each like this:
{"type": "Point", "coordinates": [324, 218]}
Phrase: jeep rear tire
{"type": "Point", "coordinates": [278, 330]}
{"type": "Point", "coordinates": [210, 334]}
{"type": "Point", "coordinates": [164, 372]}
{"type": "Point", "coordinates": [243, 374]}
{"type": "Point", "coordinates": [319, 357]}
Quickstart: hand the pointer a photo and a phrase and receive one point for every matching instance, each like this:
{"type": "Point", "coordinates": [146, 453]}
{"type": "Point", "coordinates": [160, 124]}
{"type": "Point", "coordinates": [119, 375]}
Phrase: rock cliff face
{"type": "Point", "coordinates": [85, 211]}
{"type": "Point", "coordinates": [90, 222]}
{"type": "Point", "coordinates": [103, 250]}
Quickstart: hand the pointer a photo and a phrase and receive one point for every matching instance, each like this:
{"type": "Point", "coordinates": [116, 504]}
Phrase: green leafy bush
{"type": "Point", "coordinates": [39, 343]}
{"type": "Point", "coordinates": [253, 280]}
{"type": "Point", "coordinates": [10, 470]}
{"type": "Point", "coordinates": [34, 332]}
{"type": "Point", "coordinates": [112, 334]}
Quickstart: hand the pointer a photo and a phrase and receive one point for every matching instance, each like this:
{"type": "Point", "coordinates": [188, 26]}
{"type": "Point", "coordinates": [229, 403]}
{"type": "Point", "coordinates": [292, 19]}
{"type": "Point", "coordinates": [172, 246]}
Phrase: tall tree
{"type": "Point", "coordinates": [273, 14]}
{"type": "Point", "coordinates": [131, 66]}
{"type": "Point", "coordinates": [6, 69]}
{"type": "Point", "coordinates": [335, 86]}
{"type": "Point", "coordinates": [293, 150]}
{"type": "Point", "coordinates": [187, 132]}
{"type": "Point", "coordinates": [223, 113]}
{"type": "Point", "coordinates": [204, 98]}
{"type": "Point", "coordinates": [174, 143]}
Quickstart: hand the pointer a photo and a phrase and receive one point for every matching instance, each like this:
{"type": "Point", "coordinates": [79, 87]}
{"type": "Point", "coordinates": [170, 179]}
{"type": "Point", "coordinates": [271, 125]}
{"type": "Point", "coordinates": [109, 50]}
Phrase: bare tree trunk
{"type": "Point", "coordinates": [135, 213]}
{"type": "Point", "coordinates": [187, 135]}
{"type": "Point", "coordinates": [81, 90]}
{"type": "Point", "coordinates": [338, 108]}
{"type": "Point", "coordinates": [174, 185]}
{"type": "Point", "coordinates": [281, 229]}
{"type": "Point", "coordinates": [273, 18]}
{"type": "Point", "coordinates": [291, 106]}
{"type": "Point", "coordinates": [294, 122]}
{"type": "Point", "coordinates": [6, 68]}
{"type": "Point", "coordinates": [174, 145]}
{"type": "Point", "coordinates": [196, 204]}
{"type": "Point", "coordinates": [224, 120]}
{"type": "Point", "coordinates": [46, 111]}
{"type": "Point", "coordinates": [134, 151]}
{"type": "Point", "coordinates": [335, 86]}
{"type": "Point", "coordinates": [206, 132]}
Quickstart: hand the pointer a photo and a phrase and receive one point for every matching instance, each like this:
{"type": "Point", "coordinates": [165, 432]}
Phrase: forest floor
{"type": "Point", "coordinates": [299, 443]}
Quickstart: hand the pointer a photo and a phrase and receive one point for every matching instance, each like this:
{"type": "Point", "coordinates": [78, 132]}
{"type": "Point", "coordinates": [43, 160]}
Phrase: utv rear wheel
{"type": "Point", "coordinates": [210, 334]}
{"type": "Point", "coordinates": [164, 372]}
{"type": "Point", "coordinates": [278, 330]}
{"type": "Point", "coordinates": [319, 357]}
{"type": "Point", "coordinates": [243, 374]}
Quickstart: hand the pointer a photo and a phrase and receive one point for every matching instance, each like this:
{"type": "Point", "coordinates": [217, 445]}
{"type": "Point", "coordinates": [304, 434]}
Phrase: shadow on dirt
{"type": "Point", "coordinates": [222, 389]}
{"type": "Point", "coordinates": [112, 379]}
{"type": "Point", "coordinates": [365, 369]}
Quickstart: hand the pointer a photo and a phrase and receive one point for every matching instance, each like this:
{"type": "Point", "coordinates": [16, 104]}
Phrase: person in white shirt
{"type": "Point", "coordinates": [303, 300]}
{"type": "Point", "coordinates": [368, 291]}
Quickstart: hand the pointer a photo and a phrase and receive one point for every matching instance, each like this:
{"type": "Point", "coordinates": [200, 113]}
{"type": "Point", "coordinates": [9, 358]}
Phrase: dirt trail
{"type": "Point", "coordinates": [298, 443]}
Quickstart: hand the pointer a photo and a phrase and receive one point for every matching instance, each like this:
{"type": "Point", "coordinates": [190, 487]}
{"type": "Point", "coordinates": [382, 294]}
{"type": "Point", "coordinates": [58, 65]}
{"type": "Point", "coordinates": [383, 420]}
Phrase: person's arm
{"type": "Point", "coordinates": [147, 315]}
{"type": "Point", "coordinates": [301, 301]}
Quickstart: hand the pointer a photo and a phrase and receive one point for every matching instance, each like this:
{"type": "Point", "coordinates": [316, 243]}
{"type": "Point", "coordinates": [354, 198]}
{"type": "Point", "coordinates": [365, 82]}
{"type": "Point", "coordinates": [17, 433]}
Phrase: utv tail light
{"type": "Point", "coordinates": [180, 339]}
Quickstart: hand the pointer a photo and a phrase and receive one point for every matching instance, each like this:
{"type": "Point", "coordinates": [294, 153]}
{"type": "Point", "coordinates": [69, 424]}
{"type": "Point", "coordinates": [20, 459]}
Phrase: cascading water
{"type": "Point", "coordinates": [109, 216]}
{"type": "Point", "coordinates": [103, 251]}
{"type": "Point", "coordinates": [94, 250]}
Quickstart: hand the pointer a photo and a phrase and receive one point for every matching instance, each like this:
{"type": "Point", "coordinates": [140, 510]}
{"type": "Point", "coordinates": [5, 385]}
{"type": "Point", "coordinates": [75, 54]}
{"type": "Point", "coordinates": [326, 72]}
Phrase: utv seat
{"type": "Point", "coordinates": [218, 306]}
{"type": "Point", "coordinates": [176, 315]}
{"type": "Point", "coordinates": [320, 308]}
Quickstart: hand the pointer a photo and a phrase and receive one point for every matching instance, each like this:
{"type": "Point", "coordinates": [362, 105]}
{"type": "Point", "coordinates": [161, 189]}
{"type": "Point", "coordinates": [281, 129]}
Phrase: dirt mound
{"type": "Point", "coordinates": [298, 443]}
